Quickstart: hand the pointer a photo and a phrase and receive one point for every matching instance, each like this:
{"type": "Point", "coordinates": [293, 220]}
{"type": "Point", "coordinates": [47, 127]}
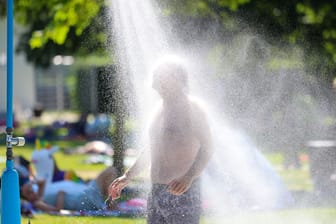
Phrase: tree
{"type": "Point", "coordinates": [309, 23]}
{"type": "Point", "coordinates": [78, 27]}
{"type": "Point", "coordinates": [72, 27]}
{"type": "Point", "coordinates": [61, 26]}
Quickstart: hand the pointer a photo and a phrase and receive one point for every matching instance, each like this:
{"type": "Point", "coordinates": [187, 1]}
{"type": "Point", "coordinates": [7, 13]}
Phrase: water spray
{"type": "Point", "coordinates": [10, 192]}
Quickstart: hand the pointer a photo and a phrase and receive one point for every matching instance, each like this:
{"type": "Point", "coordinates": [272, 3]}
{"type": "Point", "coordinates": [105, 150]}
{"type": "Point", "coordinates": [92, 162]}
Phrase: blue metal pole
{"type": "Point", "coordinates": [10, 194]}
{"type": "Point", "coordinates": [10, 45]}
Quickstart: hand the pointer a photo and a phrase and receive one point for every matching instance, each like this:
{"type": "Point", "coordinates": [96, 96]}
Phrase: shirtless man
{"type": "Point", "coordinates": [180, 148]}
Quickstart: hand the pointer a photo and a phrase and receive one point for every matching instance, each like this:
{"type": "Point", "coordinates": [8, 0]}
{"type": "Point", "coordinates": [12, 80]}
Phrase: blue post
{"type": "Point", "coordinates": [10, 194]}
{"type": "Point", "coordinates": [10, 32]}
{"type": "Point", "coordinates": [10, 199]}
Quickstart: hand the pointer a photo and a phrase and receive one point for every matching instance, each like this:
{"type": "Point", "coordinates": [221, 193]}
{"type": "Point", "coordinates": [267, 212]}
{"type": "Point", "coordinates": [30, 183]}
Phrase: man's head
{"type": "Point", "coordinates": [170, 78]}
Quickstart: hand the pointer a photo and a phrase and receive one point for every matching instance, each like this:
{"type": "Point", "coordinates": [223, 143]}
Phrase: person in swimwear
{"type": "Point", "coordinates": [180, 148]}
{"type": "Point", "coordinates": [68, 195]}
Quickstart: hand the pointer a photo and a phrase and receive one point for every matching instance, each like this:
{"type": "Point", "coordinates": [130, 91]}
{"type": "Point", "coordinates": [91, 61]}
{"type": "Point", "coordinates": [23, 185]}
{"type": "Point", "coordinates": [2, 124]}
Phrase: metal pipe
{"type": "Point", "coordinates": [10, 33]}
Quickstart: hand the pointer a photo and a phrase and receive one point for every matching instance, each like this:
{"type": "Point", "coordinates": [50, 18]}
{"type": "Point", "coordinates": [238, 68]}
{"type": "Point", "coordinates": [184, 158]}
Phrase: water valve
{"type": "Point", "coordinates": [18, 141]}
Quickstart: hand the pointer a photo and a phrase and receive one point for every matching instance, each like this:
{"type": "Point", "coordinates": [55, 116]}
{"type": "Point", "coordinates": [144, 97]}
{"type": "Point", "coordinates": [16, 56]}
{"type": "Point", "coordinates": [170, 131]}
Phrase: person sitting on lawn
{"type": "Point", "coordinates": [68, 195]}
{"type": "Point", "coordinates": [45, 164]}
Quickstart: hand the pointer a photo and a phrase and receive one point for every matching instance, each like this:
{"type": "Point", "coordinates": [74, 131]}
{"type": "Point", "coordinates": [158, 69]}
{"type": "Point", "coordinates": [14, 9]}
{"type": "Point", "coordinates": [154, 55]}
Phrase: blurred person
{"type": "Point", "coordinates": [68, 195]}
{"type": "Point", "coordinates": [46, 166]}
{"type": "Point", "coordinates": [98, 127]}
{"type": "Point", "coordinates": [180, 148]}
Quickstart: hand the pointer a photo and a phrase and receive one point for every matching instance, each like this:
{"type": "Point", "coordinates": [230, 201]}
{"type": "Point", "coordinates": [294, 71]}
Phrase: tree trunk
{"type": "Point", "coordinates": [113, 100]}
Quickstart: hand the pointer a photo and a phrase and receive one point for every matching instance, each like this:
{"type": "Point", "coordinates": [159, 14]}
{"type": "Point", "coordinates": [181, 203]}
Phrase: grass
{"type": "Point", "coordinates": [295, 179]}
{"type": "Point", "coordinates": [64, 161]}
{"type": "Point", "coordinates": [295, 216]}
{"type": "Point", "coordinates": [43, 219]}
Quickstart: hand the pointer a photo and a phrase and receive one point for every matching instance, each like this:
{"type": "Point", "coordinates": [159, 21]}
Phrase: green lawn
{"type": "Point", "coordinates": [295, 179]}
{"type": "Point", "coordinates": [48, 219]}
{"type": "Point", "coordinates": [295, 216]}
{"type": "Point", "coordinates": [64, 161]}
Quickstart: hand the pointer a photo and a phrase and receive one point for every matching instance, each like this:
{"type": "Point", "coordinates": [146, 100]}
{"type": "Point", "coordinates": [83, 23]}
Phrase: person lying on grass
{"type": "Point", "coordinates": [68, 195]}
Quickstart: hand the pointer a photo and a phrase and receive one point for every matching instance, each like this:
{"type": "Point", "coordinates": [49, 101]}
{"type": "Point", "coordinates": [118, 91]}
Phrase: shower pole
{"type": "Point", "coordinates": [10, 195]}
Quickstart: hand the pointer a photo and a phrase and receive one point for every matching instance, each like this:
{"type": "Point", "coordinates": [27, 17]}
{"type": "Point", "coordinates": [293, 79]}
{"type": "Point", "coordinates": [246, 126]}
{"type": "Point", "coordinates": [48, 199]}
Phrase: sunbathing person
{"type": "Point", "coordinates": [68, 195]}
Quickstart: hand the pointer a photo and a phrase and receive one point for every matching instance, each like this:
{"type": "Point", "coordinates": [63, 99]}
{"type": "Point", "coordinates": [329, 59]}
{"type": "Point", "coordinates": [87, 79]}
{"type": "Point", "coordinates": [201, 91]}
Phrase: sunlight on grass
{"type": "Point", "coordinates": [43, 219]}
{"type": "Point", "coordinates": [295, 179]}
{"type": "Point", "coordinates": [65, 162]}
{"type": "Point", "coordinates": [295, 216]}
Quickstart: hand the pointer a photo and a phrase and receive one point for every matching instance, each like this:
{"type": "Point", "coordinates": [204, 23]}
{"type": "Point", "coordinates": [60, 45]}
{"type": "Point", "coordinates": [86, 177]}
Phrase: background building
{"type": "Point", "coordinates": [24, 86]}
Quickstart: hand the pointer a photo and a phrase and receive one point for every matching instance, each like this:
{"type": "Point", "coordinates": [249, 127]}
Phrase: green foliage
{"type": "Point", "coordinates": [292, 216]}
{"type": "Point", "coordinates": [312, 15]}
{"type": "Point", "coordinates": [77, 26]}
{"type": "Point", "coordinates": [59, 17]}
{"type": "Point", "coordinates": [60, 27]}
{"type": "Point", "coordinates": [310, 24]}
{"type": "Point", "coordinates": [232, 4]}
{"type": "Point", "coordinates": [216, 9]}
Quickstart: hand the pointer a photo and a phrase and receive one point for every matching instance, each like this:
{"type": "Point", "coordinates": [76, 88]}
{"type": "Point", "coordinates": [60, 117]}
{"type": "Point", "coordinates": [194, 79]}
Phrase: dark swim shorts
{"type": "Point", "coordinates": [165, 208]}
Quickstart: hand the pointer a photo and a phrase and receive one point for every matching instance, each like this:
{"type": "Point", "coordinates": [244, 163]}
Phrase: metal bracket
{"type": "Point", "coordinates": [17, 141]}
{"type": "Point", "coordinates": [13, 141]}
{"type": "Point", "coordinates": [10, 142]}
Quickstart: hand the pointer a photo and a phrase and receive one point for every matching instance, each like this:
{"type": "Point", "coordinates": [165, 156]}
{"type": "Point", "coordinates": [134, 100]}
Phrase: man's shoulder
{"type": "Point", "coordinates": [155, 113]}
{"type": "Point", "coordinates": [157, 109]}
{"type": "Point", "coordinates": [197, 105]}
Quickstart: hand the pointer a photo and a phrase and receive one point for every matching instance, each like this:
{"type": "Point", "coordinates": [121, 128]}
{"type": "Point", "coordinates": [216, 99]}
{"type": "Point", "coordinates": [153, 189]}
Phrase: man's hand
{"type": "Point", "coordinates": [179, 185]}
{"type": "Point", "coordinates": [116, 186]}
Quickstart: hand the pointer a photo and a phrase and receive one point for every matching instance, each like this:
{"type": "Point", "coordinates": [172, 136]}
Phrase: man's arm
{"type": "Point", "coordinates": [41, 187]}
{"type": "Point", "coordinates": [200, 163]}
{"type": "Point", "coordinates": [41, 205]}
{"type": "Point", "coordinates": [60, 200]}
{"type": "Point", "coordinates": [206, 149]}
{"type": "Point", "coordinates": [141, 163]}
{"type": "Point", "coordinates": [120, 183]}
